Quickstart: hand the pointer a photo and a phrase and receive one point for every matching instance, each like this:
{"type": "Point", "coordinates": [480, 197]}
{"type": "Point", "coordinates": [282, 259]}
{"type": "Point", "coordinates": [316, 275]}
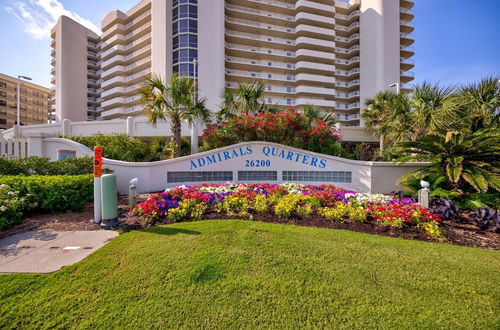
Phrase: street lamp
{"type": "Point", "coordinates": [397, 85]}
{"type": "Point", "coordinates": [194, 128]}
{"type": "Point", "coordinates": [19, 97]}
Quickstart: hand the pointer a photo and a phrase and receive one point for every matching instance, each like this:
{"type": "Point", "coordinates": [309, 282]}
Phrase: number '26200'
{"type": "Point", "coordinates": [257, 163]}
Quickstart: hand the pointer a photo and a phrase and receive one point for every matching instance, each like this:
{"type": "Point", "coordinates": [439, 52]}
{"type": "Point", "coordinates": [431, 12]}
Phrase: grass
{"type": "Point", "coordinates": [234, 274]}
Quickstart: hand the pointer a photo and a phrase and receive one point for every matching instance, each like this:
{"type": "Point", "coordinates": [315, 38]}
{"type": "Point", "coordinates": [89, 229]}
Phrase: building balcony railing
{"type": "Point", "coordinates": [270, 64]}
{"type": "Point", "coordinates": [270, 27]}
{"type": "Point", "coordinates": [261, 75]}
{"type": "Point", "coordinates": [349, 39]}
{"type": "Point", "coordinates": [260, 12]}
{"type": "Point", "coordinates": [350, 61]}
{"type": "Point", "coordinates": [350, 106]}
{"type": "Point", "coordinates": [347, 17]}
{"type": "Point", "coordinates": [260, 50]}
{"type": "Point", "coordinates": [260, 37]}
{"type": "Point", "coordinates": [347, 28]}
{"type": "Point", "coordinates": [347, 83]}
{"type": "Point", "coordinates": [347, 95]}
{"type": "Point", "coordinates": [347, 73]}
{"type": "Point", "coordinates": [342, 117]}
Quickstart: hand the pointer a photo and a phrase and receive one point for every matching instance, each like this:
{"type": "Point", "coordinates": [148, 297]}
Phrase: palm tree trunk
{"type": "Point", "coordinates": [176, 137]}
{"type": "Point", "coordinates": [381, 142]}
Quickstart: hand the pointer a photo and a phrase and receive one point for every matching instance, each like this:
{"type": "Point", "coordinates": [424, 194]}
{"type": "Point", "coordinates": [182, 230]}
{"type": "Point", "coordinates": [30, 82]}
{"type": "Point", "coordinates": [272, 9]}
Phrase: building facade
{"type": "Point", "coordinates": [329, 53]}
{"type": "Point", "coordinates": [34, 103]}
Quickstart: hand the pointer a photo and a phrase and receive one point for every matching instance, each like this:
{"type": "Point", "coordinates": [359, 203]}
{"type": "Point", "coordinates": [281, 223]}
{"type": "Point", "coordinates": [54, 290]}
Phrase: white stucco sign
{"type": "Point", "coordinates": [252, 162]}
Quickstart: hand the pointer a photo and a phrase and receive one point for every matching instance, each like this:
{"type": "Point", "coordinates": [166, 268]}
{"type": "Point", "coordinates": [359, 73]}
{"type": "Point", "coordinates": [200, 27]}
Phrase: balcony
{"type": "Point", "coordinates": [269, 88]}
{"type": "Point", "coordinates": [126, 38]}
{"type": "Point", "coordinates": [346, 96]}
{"type": "Point", "coordinates": [268, 29]}
{"type": "Point", "coordinates": [315, 90]}
{"type": "Point", "coordinates": [347, 84]}
{"type": "Point", "coordinates": [129, 69]}
{"type": "Point", "coordinates": [349, 62]}
{"type": "Point", "coordinates": [347, 39]}
{"type": "Point", "coordinates": [250, 49]}
{"type": "Point", "coordinates": [347, 17]}
{"type": "Point", "coordinates": [315, 44]}
{"type": "Point", "coordinates": [108, 31]}
{"type": "Point", "coordinates": [347, 29]}
{"type": "Point", "coordinates": [117, 101]}
{"type": "Point", "coordinates": [350, 50]}
{"type": "Point", "coordinates": [261, 75]}
{"type": "Point", "coordinates": [407, 50]}
{"type": "Point", "coordinates": [121, 80]}
{"type": "Point", "coordinates": [347, 73]}
{"type": "Point", "coordinates": [314, 31]}
{"type": "Point", "coordinates": [342, 117]}
{"type": "Point", "coordinates": [407, 38]}
{"type": "Point", "coordinates": [305, 66]}
{"type": "Point", "coordinates": [315, 55]}
{"type": "Point", "coordinates": [312, 78]}
{"type": "Point", "coordinates": [120, 91]}
{"type": "Point", "coordinates": [351, 106]}
{"type": "Point", "coordinates": [407, 26]}
{"type": "Point", "coordinates": [245, 62]}
{"type": "Point", "coordinates": [119, 112]}
{"type": "Point", "coordinates": [135, 45]}
{"type": "Point", "coordinates": [269, 16]}
{"type": "Point", "coordinates": [135, 56]}
{"type": "Point", "coordinates": [315, 20]}
{"type": "Point", "coordinates": [314, 7]}
{"type": "Point", "coordinates": [251, 38]}
{"type": "Point", "coordinates": [317, 102]}
{"type": "Point", "coordinates": [406, 63]}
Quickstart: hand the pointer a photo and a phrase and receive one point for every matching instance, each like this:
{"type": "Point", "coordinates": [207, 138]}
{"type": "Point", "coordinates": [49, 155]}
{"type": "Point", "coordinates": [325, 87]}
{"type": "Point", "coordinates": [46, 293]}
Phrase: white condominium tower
{"type": "Point", "coordinates": [330, 53]}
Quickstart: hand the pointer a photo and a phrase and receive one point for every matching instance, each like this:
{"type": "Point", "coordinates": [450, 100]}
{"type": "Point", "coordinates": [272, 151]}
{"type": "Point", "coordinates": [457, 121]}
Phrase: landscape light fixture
{"type": "Point", "coordinates": [18, 119]}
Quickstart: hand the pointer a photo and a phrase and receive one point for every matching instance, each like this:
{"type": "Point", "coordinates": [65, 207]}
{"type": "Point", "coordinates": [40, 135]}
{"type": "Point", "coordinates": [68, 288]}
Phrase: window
{"type": "Point", "coordinates": [3, 103]}
{"type": "Point", "coordinates": [2, 84]}
{"type": "Point", "coordinates": [3, 121]}
{"type": "Point", "coordinates": [288, 77]}
{"type": "Point", "coordinates": [289, 89]}
{"type": "Point", "coordinates": [288, 66]}
{"type": "Point", "coordinates": [269, 64]}
{"type": "Point", "coordinates": [269, 51]}
{"type": "Point", "coordinates": [3, 94]}
{"type": "Point", "coordinates": [269, 76]}
{"type": "Point", "coordinates": [269, 100]}
{"type": "Point", "coordinates": [288, 101]}
{"type": "Point", "coordinates": [288, 54]}
{"type": "Point", "coordinates": [269, 88]}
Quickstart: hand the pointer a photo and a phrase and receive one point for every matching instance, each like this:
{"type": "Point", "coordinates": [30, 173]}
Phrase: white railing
{"type": "Point", "coordinates": [347, 83]}
{"type": "Point", "coordinates": [262, 75]}
{"type": "Point", "coordinates": [260, 50]}
{"type": "Point", "coordinates": [347, 73]}
{"type": "Point", "coordinates": [347, 17]}
{"type": "Point", "coordinates": [14, 147]}
{"type": "Point", "coordinates": [260, 12]}
{"type": "Point", "coordinates": [347, 28]}
{"type": "Point", "coordinates": [270, 27]}
{"type": "Point", "coordinates": [270, 64]}
{"type": "Point", "coordinates": [260, 37]}
{"type": "Point", "coordinates": [344, 39]}
{"type": "Point", "coordinates": [347, 117]}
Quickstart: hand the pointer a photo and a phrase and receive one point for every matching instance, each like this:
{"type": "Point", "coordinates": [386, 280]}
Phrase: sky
{"type": "Point", "coordinates": [457, 41]}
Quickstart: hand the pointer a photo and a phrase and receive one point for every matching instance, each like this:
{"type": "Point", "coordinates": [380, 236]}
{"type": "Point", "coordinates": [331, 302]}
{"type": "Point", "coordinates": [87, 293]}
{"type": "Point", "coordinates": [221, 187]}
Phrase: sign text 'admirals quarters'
{"type": "Point", "coordinates": [258, 156]}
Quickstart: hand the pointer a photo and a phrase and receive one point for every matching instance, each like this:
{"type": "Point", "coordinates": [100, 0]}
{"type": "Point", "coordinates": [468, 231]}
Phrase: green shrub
{"type": "Point", "coordinates": [61, 193]}
{"type": "Point", "coordinates": [118, 146]}
{"type": "Point", "coordinates": [43, 166]}
{"type": "Point", "coordinates": [12, 206]}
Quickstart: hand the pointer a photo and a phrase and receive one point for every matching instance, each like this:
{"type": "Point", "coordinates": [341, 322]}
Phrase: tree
{"type": "Point", "coordinates": [313, 113]}
{"type": "Point", "coordinates": [467, 160]}
{"type": "Point", "coordinates": [387, 115]}
{"type": "Point", "coordinates": [175, 101]}
{"type": "Point", "coordinates": [248, 98]}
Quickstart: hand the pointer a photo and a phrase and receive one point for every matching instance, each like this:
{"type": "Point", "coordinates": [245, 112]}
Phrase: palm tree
{"type": "Point", "coordinates": [434, 108]}
{"type": "Point", "coordinates": [481, 105]}
{"type": "Point", "coordinates": [387, 115]}
{"type": "Point", "coordinates": [175, 101]}
{"type": "Point", "coordinates": [248, 98]}
{"type": "Point", "coordinates": [312, 113]}
{"type": "Point", "coordinates": [466, 159]}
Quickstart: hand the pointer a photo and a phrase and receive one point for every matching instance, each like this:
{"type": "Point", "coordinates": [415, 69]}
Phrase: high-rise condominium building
{"type": "Point", "coordinates": [33, 106]}
{"type": "Point", "coordinates": [329, 53]}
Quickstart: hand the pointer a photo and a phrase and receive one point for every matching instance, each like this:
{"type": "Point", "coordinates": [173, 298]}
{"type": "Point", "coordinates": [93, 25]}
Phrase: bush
{"type": "Point", "coordinates": [118, 146]}
{"type": "Point", "coordinates": [288, 128]}
{"type": "Point", "coordinates": [43, 166]}
{"type": "Point", "coordinates": [61, 193]}
{"type": "Point", "coordinates": [11, 206]}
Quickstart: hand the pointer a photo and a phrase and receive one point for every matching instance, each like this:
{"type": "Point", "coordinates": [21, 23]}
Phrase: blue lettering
{"type": "Point", "coordinates": [273, 152]}
{"type": "Point", "coordinates": [289, 155]}
{"type": "Point", "coordinates": [266, 151]}
{"type": "Point", "coordinates": [193, 165]}
{"type": "Point", "coordinates": [211, 159]}
{"type": "Point", "coordinates": [314, 161]}
{"type": "Point", "coordinates": [249, 150]}
{"type": "Point", "coordinates": [242, 153]}
{"type": "Point", "coordinates": [322, 163]}
{"type": "Point", "coordinates": [297, 157]}
{"type": "Point", "coordinates": [235, 153]}
{"type": "Point", "coordinates": [282, 153]}
{"type": "Point", "coordinates": [304, 160]}
{"type": "Point", "coordinates": [226, 155]}
{"type": "Point", "coordinates": [218, 156]}
{"type": "Point", "coordinates": [201, 162]}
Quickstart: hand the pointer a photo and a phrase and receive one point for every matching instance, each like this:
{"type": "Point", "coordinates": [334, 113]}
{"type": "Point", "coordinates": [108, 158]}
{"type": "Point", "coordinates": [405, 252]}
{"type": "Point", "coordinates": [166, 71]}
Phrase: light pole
{"type": "Point", "coordinates": [19, 98]}
{"type": "Point", "coordinates": [194, 128]}
{"type": "Point", "coordinates": [398, 87]}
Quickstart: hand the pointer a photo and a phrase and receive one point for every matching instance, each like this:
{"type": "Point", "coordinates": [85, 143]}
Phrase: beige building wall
{"type": "Point", "coordinates": [211, 51]}
{"type": "Point", "coordinates": [34, 105]}
{"type": "Point", "coordinates": [329, 53]}
{"type": "Point", "coordinates": [75, 70]}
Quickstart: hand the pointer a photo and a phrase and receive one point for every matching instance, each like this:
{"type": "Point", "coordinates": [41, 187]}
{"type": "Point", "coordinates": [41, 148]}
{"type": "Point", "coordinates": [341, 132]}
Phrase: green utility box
{"type": "Point", "coordinates": [109, 198]}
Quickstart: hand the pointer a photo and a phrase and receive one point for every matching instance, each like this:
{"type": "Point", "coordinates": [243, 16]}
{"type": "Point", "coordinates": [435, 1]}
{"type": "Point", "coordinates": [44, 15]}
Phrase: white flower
{"type": "Point", "coordinates": [3, 208]}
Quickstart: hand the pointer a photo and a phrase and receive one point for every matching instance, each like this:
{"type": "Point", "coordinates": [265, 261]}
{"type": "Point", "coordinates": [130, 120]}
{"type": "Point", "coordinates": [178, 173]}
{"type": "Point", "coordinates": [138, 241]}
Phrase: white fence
{"type": "Point", "coordinates": [139, 127]}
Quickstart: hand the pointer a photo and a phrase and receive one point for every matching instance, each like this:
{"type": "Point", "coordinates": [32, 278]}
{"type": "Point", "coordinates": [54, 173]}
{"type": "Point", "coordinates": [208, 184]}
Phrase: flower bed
{"type": "Point", "coordinates": [285, 201]}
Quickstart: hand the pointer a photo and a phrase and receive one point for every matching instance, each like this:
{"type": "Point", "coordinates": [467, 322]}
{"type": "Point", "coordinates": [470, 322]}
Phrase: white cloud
{"type": "Point", "coordinates": [38, 17]}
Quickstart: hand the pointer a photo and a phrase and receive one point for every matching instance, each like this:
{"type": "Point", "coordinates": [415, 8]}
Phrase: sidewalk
{"type": "Point", "coordinates": [48, 251]}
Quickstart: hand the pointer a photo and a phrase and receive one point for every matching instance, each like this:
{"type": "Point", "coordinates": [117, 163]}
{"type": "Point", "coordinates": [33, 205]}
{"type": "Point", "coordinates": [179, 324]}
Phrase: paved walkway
{"type": "Point", "coordinates": [47, 251]}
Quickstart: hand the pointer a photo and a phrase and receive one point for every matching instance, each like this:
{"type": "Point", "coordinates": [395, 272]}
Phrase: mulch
{"type": "Point", "coordinates": [457, 234]}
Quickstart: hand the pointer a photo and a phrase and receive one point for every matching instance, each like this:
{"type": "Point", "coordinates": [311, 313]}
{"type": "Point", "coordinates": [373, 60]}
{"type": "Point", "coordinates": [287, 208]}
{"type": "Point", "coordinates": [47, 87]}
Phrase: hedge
{"type": "Point", "coordinates": [61, 193]}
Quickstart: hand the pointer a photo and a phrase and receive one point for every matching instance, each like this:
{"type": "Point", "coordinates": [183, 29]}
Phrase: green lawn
{"type": "Point", "coordinates": [233, 274]}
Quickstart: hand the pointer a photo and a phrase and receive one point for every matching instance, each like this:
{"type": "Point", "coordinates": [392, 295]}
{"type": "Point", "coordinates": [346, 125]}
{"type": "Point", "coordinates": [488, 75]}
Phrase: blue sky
{"type": "Point", "coordinates": [457, 41]}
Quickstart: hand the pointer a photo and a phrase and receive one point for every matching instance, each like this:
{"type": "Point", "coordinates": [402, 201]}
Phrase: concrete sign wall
{"type": "Point", "coordinates": [262, 162]}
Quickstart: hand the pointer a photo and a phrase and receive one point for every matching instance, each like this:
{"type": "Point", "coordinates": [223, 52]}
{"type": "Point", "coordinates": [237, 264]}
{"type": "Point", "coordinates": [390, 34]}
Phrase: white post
{"type": "Point", "coordinates": [18, 115]}
{"type": "Point", "coordinates": [423, 194]}
{"type": "Point", "coordinates": [130, 126]}
{"type": "Point", "coordinates": [66, 127]}
{"type": "Point", "coordinates": [194, 137]}
{"type": "Point", "coordinates": [97, 201]}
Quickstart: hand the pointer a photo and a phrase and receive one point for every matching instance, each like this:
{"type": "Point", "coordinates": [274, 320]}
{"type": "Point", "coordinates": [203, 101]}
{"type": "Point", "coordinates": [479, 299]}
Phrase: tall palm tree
{"type": "Point", "coordinates": [248, 98]}
{"type": "Point", "coordinates": [175, 101]}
